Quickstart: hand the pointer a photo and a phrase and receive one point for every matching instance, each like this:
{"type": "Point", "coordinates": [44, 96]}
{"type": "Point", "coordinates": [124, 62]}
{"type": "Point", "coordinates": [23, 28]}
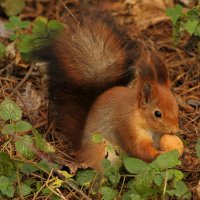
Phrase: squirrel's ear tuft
{"type": "Point", "coordinates": [152, 69]}
{"type": "Point", "coordinates": [146, 71]}
{"type": "Point", "coordinates": [161, 70]}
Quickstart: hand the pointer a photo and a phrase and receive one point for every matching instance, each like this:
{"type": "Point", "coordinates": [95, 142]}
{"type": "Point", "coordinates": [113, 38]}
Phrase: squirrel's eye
{"type": "Point", "coordinates": [157, 114]}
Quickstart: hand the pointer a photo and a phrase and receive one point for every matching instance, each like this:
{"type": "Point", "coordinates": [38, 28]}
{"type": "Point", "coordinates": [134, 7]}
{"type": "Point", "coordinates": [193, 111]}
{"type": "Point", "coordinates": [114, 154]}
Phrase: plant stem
{"type": "Point", "coordinates": [19, 185]}
{"type": "Point", "coordinates": [165, 186]}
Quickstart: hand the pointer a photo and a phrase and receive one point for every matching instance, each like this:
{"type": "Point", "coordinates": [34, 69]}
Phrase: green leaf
{"type": "Point", "coordinates": [174, 13]}
{"type": "Point", "coordinates": [158, 180]}
{"type": "Point", "coordinates": [22, 126]}
{"type": "Point", "coordinates": [7, 166]}
{"type": "Point", "coordinates": [2, 50]}
{"type": "Point", "coordinates": [46, 191]}
{"type": "Point", "coordinates": [197, 31]}
{"type": "Point", "coordinates": [55, 25]}
{"type": "Point", "coordinates": [176, 33]}
{"type": "Point", "coordinates": [26, 56]}
{"type": "Point", "coordinates": [24, 24]}
{"type": "Point", "coordinates": [197, 148]}
{"type": "Point", "coordinates": [65, 174]}
{"type": "Point", "coordinates": [13, 37]}
{"type": "Point", "coordinates": [166, 160]}
{"type": "Point", "coordinates": [25, 189]}
{"type": "Point", "coordinates": [131, 195]}
{"type": "Point", "coordinates": [85, 177]}
{"type": "Point", "coordinates": [167, 174]}
{"type": "Point", "coordinates": [28, 168]}
{"type": "Point", "coordinates": [39, 140]}
{"type": "Point", "coordinates": [41, 143]}
{"type": "Point", "coordinates": [97, 138]}
{"type": "Point", "coordinates": [8, 129]}
{"type": "Point", "coordinates": [40, 27]}
{"type": "Point", "coordinates": [143, 183]}
{"type": "Point", "coordinates": [9, 110]}
{"type": "Point", "coordinates": [191, 25]}
{"type": "Point", "coordinates": [181, 190]}
{"type": "Point", "coordinates": [193, 13]}
{"type": "Point", "coordinates": [108, 193]}
{"type": "Point", "coordinates": [47, 165]}
{"type": "Point", "coordinates": [171, 192]}
{"type": "Point", "coordinates": [30, 181]}
{"type": "Point", "coordinates": [25, 146]}
{"type": "Point", "coordinates": [57, 183]}
{"type": "Point", "coordinates": [105, 163]}
{"type": "Point", "coordinates": [177, 174]}
{"type": "Point", "coordinates": [16, 24]}
{"type": "Point", "coordinates": [26, 44]}
{"type": "Point", "coordinates": [113, 174]}
{"type": "Point", "coordinates": [6, 187]}
{"type": "Point", "coordinates": [134, 165]}
{"type": "Point", "coordinates": [11, 7]}
{"type": "Point", "coordinates": [13, 23]}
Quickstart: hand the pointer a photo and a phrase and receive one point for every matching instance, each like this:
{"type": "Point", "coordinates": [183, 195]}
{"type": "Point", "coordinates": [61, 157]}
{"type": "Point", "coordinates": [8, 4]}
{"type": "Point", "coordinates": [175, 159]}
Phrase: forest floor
{"type": "Point", "coordinates": [147, 20]}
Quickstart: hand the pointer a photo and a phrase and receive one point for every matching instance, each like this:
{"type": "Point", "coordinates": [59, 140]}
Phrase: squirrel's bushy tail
{"type": "Point", "coordinates": [84, 60]}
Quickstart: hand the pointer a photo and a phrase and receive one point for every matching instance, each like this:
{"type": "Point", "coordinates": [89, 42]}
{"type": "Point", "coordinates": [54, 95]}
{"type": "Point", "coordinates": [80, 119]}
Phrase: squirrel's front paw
{"type": "Point", "coordinates": [161, 152]}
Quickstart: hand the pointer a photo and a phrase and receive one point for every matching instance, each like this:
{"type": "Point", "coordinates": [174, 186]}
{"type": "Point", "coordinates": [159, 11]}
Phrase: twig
{"type": "Point", "coordinates": [19, 185]}
{"type": "Point", "coordinates": [123, 182]}
{"type": "Point", "coordinates": [165, 186]}
{"type": "Point", "coordinates": [36, 194]}
{"type": "Point", "coordinates": [7, 67]}
{"type": "Point", "coordinates": [24, 79]}
{"type": "Point", "coordinates": [72, 186]}
{"type": "Point", "coordinates": [69, 11]}
{"type": "Point", "coordinates": [78, 191]}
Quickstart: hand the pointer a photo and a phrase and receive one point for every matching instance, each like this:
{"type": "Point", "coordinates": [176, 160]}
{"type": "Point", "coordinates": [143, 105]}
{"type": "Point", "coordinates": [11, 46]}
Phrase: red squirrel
{"type": "Point", "coordinates": [90, 66]}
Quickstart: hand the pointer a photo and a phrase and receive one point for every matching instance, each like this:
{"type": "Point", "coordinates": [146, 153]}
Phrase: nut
{"type": "Point", "coordinates": [171, 142]}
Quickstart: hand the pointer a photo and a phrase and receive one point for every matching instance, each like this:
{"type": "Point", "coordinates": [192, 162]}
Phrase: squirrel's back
{"type": "Point", "coordinates": [84, 60]}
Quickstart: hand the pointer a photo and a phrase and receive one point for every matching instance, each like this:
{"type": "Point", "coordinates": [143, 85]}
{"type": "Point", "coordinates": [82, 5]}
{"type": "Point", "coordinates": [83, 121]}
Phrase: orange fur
{"type": "Point", "coordinates": [91, 155]}
{"type": "Point", "coordinates": [123, 117]}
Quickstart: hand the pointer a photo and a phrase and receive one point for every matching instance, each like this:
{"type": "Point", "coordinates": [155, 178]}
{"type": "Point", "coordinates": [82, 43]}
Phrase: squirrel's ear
{"type": "Point", "coordinates": [146, 93]}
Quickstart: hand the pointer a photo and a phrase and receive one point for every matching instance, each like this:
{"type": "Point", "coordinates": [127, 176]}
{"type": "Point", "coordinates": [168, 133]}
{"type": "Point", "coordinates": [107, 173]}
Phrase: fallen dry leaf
{"type": "Point", "coordinates": [147, 12]}
{"type": "Point", "coordinates": [29, 99]}
{"type": "Point", "coordinates": [193, 102]}
{"type": "Point", "coordinates": [187, 108]}
{"type": "Point", "coordinates": [4, 33]}
{"type": "Point", "coordinates": [11, 50]}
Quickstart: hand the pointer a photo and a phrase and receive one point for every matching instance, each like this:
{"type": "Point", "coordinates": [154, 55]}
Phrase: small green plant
{"type": "Point", "coordinates": [27, 35]}
{"type": "Point", "coordinates": [146, 181]}
{"type": "Point", "coordinates": [25, 170]}
{"type": "Point", "coordinates": [25, 143]}
{"type": "Point", "coordinates": [185, 22]}
{"type": "Point", "coordinates": [157, 179]}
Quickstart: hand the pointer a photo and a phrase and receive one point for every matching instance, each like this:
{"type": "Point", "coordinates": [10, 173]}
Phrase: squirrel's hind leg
{"type": "Point", "coordinates": [91, 155]}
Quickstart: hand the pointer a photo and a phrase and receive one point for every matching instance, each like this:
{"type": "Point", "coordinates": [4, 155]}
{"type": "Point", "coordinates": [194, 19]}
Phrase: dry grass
{"type": "Point", "coordinates": [183, 62]}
